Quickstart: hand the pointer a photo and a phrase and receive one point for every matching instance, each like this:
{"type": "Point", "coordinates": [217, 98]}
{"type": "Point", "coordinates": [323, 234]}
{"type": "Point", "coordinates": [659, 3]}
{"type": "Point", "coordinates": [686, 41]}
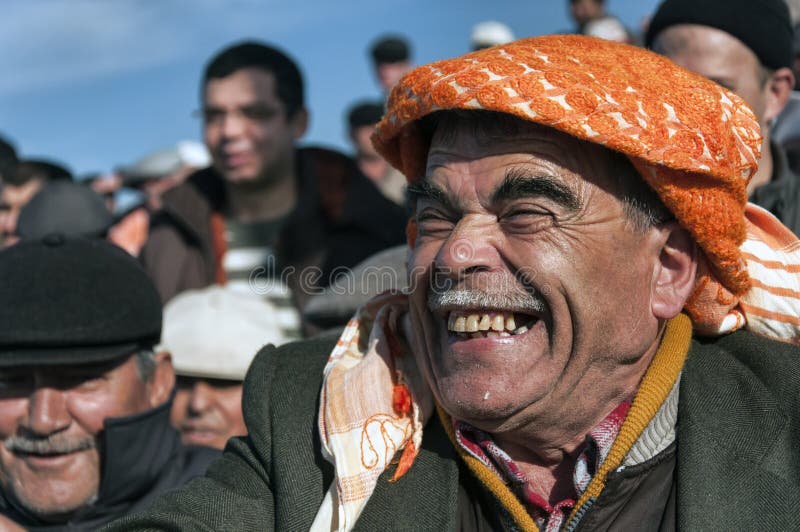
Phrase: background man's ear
{"type": "Point", "coordinates": [778, 88]}
{"type": "Point", "coordinates": [162, 381]}
{"type": "Point", "coordinates": [674, 278]}
{"type": "Point", "coordinates": [299, 123]}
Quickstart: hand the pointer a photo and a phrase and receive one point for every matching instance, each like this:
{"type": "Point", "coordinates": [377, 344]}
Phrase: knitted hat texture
{"type": "Point", "coordinates": [696, 143]}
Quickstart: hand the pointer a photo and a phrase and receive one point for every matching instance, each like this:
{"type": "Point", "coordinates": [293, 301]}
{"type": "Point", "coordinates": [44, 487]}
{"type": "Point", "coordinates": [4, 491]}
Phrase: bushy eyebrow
{"type": "Point", "coordinates": [424, 189]}
{"type": "Point", "coordinates": [519, 183]}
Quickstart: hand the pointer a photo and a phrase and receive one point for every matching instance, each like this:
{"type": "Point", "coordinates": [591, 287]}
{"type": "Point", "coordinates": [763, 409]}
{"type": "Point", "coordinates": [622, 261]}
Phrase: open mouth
{"type": "Point", "coordinates": [489, 324]}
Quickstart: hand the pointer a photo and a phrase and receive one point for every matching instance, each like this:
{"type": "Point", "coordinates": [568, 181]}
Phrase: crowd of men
{"type": "Point", "coordinates": [555, 287]}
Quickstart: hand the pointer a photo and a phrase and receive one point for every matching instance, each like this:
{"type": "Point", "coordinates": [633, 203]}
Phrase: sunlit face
{"type": "Point", "coordinates": [12, 199]}
{"type": "Point", "coordinates": [208, 411]}
{"type": "Point", "coordinates": [720, 57]}
{"type": "Point", "coordinates": [50, 418]}
{"type": "Point", "coordinates": [525, 237]}
{"type": "Point", "coordinates": [246, 128]}
{"type": "Point", "coordinates": [368, 159]}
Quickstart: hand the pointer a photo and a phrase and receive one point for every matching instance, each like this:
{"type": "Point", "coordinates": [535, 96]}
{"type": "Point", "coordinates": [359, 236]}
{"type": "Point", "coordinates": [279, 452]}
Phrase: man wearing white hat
{"type": "Point", "coordinates": [213, 334]}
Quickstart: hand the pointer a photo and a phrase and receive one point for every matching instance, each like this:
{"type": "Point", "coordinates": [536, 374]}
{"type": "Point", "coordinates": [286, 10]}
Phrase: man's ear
{"type": "Point", "coordinates": [162, 381]}
{"type": "Point", "coordinates": [674, 276]}
{"type": "Point", "coordinates": [777, 90]}
{"type": "Point", "coordinates": [299, 123]}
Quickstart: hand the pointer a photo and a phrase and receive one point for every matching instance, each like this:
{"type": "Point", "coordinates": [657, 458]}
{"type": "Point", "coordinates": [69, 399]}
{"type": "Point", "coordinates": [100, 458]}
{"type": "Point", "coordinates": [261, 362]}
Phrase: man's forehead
{"type": "Point", "coordinates": [518, 142]}
{"type": "Point", "coordinates": [243, 86]}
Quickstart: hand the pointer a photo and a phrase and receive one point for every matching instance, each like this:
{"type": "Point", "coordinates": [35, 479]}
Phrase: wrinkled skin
{"type": "Point", "coordinates": [603, 289]}
{"type": "Point", "coordinates": [66, 406]}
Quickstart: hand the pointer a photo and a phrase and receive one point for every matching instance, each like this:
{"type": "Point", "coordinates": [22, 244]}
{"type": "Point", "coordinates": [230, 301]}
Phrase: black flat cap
{"type": "Point", "coordinates": [64, 207]}
{"type": "Point", "coordinates": [73, 301]}
{"type": "Point", "coordinates": [390, 49]}
{"type": "Point", "coordinates": [365, 113]}
{"type": "Point", "coordinates": [764, 26]}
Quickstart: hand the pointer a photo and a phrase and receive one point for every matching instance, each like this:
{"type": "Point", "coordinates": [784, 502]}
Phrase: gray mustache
{"type": "Point", "coordinates": [518, 302]}
{"type": "Point", "coordinates": [55, 444]}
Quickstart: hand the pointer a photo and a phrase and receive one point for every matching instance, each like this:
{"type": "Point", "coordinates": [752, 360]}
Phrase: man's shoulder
{"type": "Point", "coordinates": [773, 364]}
{"type": "Point", "coordinates": [293, 369]}
{"type": "Point", "coordinates": [738, 423]}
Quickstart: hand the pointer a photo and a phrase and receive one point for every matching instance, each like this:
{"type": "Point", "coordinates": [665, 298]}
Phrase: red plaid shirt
{"type": "Point", "coordinates": [548, 517]}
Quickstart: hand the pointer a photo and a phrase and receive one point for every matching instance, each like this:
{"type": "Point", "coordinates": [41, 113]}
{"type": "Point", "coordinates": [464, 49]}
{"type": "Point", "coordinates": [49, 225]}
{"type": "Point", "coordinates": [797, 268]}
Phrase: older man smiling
{"type": "Point", "coordinates": [84, 400]}
{"type": "Point", "coordinates": [577, 349]}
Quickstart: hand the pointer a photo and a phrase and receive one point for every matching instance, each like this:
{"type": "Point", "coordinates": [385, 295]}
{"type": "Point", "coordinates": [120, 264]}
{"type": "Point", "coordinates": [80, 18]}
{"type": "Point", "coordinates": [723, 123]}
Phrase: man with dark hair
{"type": "Point", "coordinates": [84, 400]}
{"type": "Point", "coordinates": [20, 186]}
{"type": "Point", "coordinates": [391, 58]}
{"type": "Point", "coordinates": [361, 120]}
{"type": "Point", "coordinates": [745, 46]}
{"type": "Point", "coordinates": [263, 198]}
{"type": "Point", "coordinates": [583, 343]}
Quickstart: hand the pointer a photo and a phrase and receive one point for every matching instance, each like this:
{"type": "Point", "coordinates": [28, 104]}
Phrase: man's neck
{"type": "Point", "coordinates": [547, 448]}
{"type": "Point", "coordinates": [766, 166]}
{"type": "Point", "coordinates": [258, 202]}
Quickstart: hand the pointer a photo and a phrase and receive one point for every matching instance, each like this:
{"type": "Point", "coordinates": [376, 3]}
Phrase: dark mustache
{"type": "Point", "coordinates": [526, 303]}
{"type": "Point", "coordinates": [53, 444]}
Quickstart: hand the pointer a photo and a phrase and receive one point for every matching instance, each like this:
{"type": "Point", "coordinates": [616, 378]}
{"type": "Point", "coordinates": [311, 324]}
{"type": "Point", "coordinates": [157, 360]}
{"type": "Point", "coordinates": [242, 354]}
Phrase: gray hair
{"type": "Point", "coordinates": [145, 363]}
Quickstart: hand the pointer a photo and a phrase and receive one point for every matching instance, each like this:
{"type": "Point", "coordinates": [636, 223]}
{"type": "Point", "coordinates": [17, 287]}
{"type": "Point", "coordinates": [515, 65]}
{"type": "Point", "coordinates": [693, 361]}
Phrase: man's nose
{"type": "Point", "coordinates": [47, 411]}
{"type": "Point", "coordinates": [469, 249]}
{"type": "Point", "coordinates": [201, 397]}
{"type": "Point", "coordinates": [233, 124]}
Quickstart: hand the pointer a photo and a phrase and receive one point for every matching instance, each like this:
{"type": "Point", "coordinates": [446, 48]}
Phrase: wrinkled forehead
{"type": "Point", "coordinates": [471, 135]}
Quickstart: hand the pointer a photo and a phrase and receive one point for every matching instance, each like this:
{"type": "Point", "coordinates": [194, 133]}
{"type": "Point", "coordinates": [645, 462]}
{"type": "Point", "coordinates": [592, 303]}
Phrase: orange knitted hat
{"type": "Point", "coordinates": [696, 143]}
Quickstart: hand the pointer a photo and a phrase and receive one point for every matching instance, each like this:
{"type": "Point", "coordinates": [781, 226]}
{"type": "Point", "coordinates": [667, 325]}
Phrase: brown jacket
{"type": "Point", "coordinates": [340, 219]}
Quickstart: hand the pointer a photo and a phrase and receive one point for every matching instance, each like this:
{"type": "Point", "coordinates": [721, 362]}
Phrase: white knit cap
{"type": "Point", "coordinates": [215, 332]}
{"type": "Point", "coordinates": [490, 33]}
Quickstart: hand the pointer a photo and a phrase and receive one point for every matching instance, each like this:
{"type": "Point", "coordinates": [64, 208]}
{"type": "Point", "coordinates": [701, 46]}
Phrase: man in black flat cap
{"type": "Point", "coordinates": [84, 400]}
{"type": "Point", "coordinates": [746, 46]}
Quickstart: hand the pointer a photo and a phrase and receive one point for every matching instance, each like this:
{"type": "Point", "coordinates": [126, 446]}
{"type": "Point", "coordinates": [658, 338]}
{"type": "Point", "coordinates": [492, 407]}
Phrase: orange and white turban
{"type": "Point", "coordinates": [696, 143]}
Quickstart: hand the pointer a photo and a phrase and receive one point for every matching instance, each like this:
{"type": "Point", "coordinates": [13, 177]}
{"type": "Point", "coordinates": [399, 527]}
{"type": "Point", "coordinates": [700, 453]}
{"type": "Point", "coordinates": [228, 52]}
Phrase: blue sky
{"type": "Point", "coordinates": [98, 83]}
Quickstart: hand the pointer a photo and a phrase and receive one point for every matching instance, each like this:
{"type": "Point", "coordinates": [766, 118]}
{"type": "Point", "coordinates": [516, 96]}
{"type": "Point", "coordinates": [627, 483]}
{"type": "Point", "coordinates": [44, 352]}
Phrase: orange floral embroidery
{"type": "Point", "coordinates": [472, 78]}
{"type": "Point", "coordinates": [628, 99]}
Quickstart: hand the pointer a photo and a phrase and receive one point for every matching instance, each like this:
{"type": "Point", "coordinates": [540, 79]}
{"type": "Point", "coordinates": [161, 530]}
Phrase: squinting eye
{"type": "Point", "coordinates": [429, 223]}
{"type": "Point", "coordinates": [526, 219]}
{"type": "Point", "coordinates": [258, 113]}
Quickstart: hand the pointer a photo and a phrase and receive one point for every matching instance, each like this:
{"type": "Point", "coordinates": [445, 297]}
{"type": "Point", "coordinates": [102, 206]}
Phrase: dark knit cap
{"type": "Point", "coordinates": [64, 207]}
{"type": "Point", "coordinates": [390, 49]}
{"type": "Point", "coordinates": [365, 113]}
{"type": "Point", "coordinates": [764, 26]}
{"type": "Point", "coordinates": [73, 301]}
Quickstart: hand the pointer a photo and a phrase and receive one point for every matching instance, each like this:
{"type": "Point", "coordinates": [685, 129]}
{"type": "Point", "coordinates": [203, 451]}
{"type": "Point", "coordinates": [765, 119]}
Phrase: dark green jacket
{"type": "Point", "coordinates": [736, 465]}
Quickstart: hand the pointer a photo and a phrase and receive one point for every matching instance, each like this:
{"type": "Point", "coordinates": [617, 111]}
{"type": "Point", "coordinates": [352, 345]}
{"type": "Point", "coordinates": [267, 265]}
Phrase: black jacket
{"type": "Point", "coordinates": [735, 465]}
{"type": "Point", "coordinates": [781, 196]}
{"type": "Point", "coordinates": [142, 457]}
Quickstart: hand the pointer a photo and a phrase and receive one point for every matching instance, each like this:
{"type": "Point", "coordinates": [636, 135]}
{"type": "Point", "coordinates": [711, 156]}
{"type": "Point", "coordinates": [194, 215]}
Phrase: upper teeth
{"type": "Point", "coordinates": [474, 322]}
